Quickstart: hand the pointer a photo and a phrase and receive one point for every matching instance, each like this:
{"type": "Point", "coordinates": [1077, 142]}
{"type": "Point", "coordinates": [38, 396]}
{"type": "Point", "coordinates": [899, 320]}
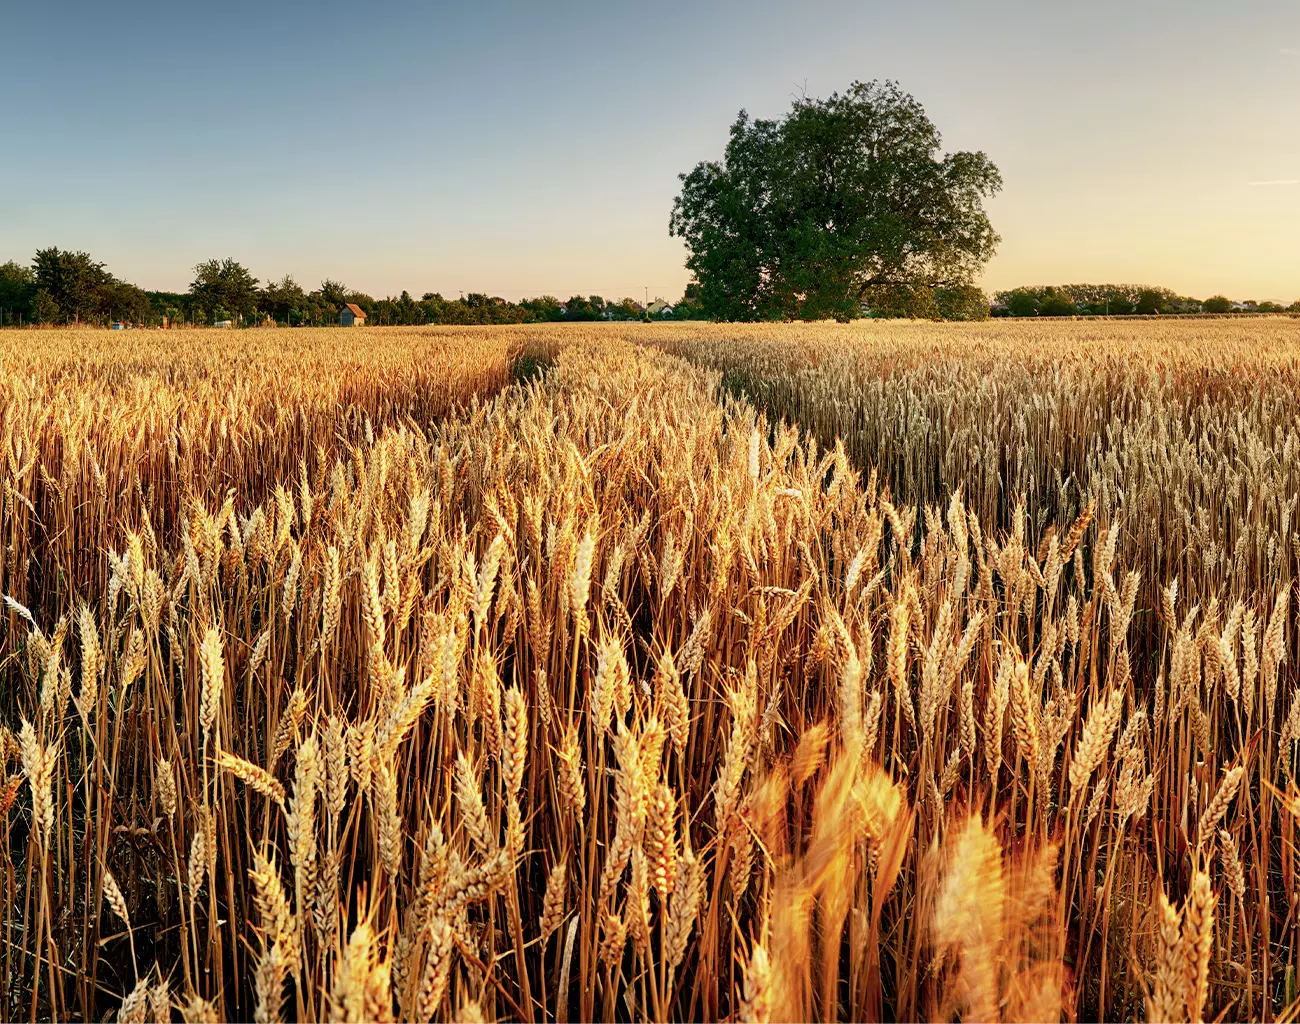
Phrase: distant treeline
{"type": "Point", "coordinates": [61, 287]}
{"type": "Point", "coordinates": [1119, 300]}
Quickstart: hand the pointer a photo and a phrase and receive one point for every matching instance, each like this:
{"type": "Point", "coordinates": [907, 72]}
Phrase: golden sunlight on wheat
{"type": "Point", "coordinates": [668, 672]}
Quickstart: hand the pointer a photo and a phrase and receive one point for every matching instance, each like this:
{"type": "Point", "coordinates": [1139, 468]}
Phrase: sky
{"type": "Point", "coordinates": [523, 148]}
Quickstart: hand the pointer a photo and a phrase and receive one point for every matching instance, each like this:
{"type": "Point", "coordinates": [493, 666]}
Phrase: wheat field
{"type": "Point", "coordinates": [664, 672]}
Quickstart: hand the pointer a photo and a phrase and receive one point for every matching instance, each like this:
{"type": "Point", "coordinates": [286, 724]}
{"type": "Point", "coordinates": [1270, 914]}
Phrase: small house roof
{"type": "Point", "coordinates": [356, 310]}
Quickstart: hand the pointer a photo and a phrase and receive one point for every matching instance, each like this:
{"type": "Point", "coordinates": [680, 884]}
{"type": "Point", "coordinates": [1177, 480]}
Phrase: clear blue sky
{"type": "Point", "coordinates": [521, 148]}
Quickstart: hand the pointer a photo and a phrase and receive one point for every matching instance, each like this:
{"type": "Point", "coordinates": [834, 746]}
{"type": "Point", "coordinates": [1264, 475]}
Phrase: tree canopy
{"type": "Point", "coordinates": [1099, 300]}
{"type": "Point", "coordinates": [71, 287]}
{"type": "Point", "coordinates": [224, 290]}
{"type": "Point", "coordinates": [66, 287]}
{"type": "Point", "coordinates": [17, 289]}
{"type": "Point", "coordinates": [803, 216]}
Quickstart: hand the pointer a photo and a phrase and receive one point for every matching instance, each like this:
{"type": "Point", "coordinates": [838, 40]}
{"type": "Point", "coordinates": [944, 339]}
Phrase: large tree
{"type": "Point", "coordinates": [17, 289]}
{"type": "Point", "coordinates": [72, 286]}
{"type": "Point", "coordinates": [283, 300]}
{"type": "Point", "coordinates": [123, 301]}
{"type": "Point", "coordinates": [803, 216]}
{"type": "Point", "coordinates": [74, 282]}
{"type": "Point", "coordinates": [224, 289]}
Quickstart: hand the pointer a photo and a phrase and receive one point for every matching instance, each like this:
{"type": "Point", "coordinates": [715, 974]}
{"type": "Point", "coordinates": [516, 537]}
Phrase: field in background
{"type": "Point", "coordinates": [104, 431]}
{"type": "Point", "coordinates": [669, 671]}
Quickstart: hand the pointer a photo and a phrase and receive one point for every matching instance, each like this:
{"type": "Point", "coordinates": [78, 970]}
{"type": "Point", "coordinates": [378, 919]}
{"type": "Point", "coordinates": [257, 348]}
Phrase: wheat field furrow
{"type": "Point", "coordinates": [674, 672]}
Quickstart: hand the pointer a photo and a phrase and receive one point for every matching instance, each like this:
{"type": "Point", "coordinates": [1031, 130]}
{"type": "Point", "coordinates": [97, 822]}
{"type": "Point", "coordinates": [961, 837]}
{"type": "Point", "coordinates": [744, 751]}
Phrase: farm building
{"type": "Point", "coordinates": [352, 315]}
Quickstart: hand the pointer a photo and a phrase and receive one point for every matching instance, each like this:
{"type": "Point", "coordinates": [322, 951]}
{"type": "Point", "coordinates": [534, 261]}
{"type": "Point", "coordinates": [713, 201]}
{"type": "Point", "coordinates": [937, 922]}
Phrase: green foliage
{"type": "Point", "coordinates": [1150, 301]}
{"type": "Point", "coordinates": [335, 293]}
{"type": "Point", "coordinates": [1020, 301]}
{"type": "Point", "coordinates": [17, 290]}
{"type": "Point", "coordinates": [224, 289]}
{"type": "Point", "coordinates": [1057, 302]}
{"type": "Point", "coordinates": [74, 281]}
{"type": "Point", "coordinates": [543, 309]}
{"type": "Point", "coordinates": [958, 302]}
{"type": "Point", "coordinates": [1118, 299]}
{"type": "Point", "coordinates": [624, 309]}
{"type": "Point", "coordinates": [688, 309]}
{"type": "Point", "coordinates": [900, 301]}
{"type": "Point", "coordinates": [45, 310]}
{"type": "Point", "coordinates": [283, 301]}
{"type": "Point", "coordinates": [803, 217]}
{"type": "Point", "coordinates": [432, 308]}
{"type": "Point", "coordinates": [580, 309]}
{"type": "Point", "coordinates": [174, 306]}
{"type": "Point", "coordinates": [1092, 300]}
{"type": "Point", "coordinates": [71, 287]}
{"type": "Point", "coordinates": [1119, 305]}
{"type": "Point", "coordinates": [962, 302]}
{"type": "Point", "coordinates": [123, 301]}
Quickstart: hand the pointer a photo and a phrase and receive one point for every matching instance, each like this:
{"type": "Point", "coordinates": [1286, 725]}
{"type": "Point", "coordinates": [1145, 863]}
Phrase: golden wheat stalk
{"type": "Point", "coordinates": [255, 777]}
